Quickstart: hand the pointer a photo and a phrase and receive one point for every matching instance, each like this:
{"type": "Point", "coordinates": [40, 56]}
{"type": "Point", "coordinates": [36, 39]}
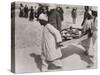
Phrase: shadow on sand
{"type": "Point", "coordinates": [75, 50]}
{"type": "Point", "coordinates": [37, 59]}
{"type": "Point", "coordinates": [66, 52]}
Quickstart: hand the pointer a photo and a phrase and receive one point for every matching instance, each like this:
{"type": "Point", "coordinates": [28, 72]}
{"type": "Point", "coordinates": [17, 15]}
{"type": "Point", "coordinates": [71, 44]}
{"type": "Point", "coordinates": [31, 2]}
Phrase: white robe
{"type": "Point", "coordinates": [50, 36]}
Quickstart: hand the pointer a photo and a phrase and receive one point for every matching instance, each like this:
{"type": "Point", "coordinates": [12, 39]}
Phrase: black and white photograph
{"type": "Point", "coordinates": [47, 37]}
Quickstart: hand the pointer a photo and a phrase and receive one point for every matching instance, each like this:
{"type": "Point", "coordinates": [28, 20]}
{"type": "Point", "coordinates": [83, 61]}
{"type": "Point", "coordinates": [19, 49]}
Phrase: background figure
{"type": "Point", "coordinates": [25, 11]}
{"type": "Point", "coordinates": [12, 10]}
{"type": "Point", "coordinates": [31, 16]}
{"type": "Point", "coordinates": [74, 15]}
{"type": "Point", "coordinates": [54, 17]}
{"type": "Point", "coordinates": [21, 14]}
{"type": "Point", "coordinates": [60, 10]}
{"type": "Point", "coordinates": [35, 12]}
{"type": "Point", "coordinates": [45, 10]}
{"type": "Point", "coordinates": [88, 26]}
{"type": "Point", "coordinates": [39, 11]}
{"type": "Point", "coordinates": [92, 49]}
{"type": "Point", "coordinates": [87, 21]}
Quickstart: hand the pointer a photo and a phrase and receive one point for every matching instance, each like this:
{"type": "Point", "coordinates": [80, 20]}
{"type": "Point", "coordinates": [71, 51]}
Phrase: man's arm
{"type": "Point", "coordinates": [84, 19]}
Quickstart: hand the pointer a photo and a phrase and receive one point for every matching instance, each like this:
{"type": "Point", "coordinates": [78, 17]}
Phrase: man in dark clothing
{"type": "Point", "coordinates": [74, 15]}
{"type": "Point", "coordinates": [60, 10]}
{"type": "Point", "coordinates": [54, 18]}
{"type": "Point", "coordinates": [25, 11]}
{"type": "Point", "coordinates": [21, 14]}
{"type": "Point", "coordinates": [31, 16]}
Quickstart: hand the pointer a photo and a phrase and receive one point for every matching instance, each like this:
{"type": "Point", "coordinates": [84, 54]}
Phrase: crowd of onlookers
{"type": "Point", "coordinates": [55, 15]}
{"type": "Point", "coordinates": [34, 12]}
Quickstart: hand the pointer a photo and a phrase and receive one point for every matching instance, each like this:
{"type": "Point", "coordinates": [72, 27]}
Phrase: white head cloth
{"type": "Point", "coordinates": [43, 17]}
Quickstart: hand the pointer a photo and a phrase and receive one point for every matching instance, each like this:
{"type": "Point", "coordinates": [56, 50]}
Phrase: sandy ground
{"type": "Point", "coordinates": [28, 47]}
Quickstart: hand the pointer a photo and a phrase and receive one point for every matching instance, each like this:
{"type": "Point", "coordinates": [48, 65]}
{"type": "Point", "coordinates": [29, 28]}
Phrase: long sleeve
{"type": "Point", "coordinates": [55, 32]}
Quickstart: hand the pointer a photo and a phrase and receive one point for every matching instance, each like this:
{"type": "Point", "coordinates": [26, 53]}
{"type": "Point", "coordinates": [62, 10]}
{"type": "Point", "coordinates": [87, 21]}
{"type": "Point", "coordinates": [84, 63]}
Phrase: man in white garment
{"type": "Point", "coordinates": [51, 42]}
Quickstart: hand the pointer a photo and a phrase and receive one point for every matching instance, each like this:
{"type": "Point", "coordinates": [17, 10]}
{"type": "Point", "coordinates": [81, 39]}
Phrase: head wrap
{"type": "Point", "coordinates": [43, 17]}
